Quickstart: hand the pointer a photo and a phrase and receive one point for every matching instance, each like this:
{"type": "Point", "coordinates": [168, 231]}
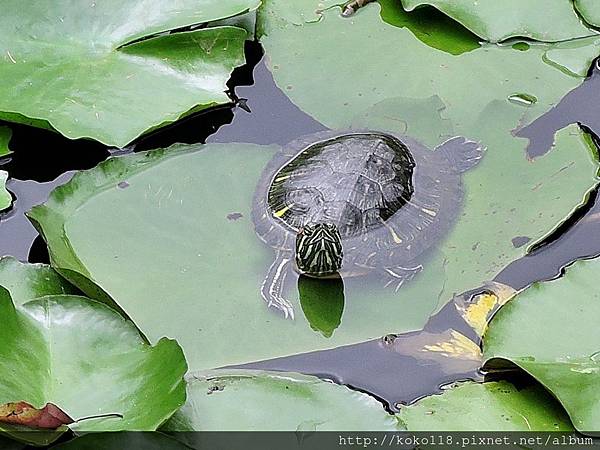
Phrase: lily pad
{"type": "Point", "coordinates": [154, 230]}
{"type": "Point", "coordinates": [551, 331]}
{"type": "Point", "coordinates": [5, 197]}
{"type": "Point", "coordinates": [500, 407]}
{"type": "Point", "coordinates": [82, 347]}
{"type": "Point", "coordinates": [497, 21]}
{"type": "Point", "coordinates": [27, 282]}
{"type": "Point", "coordinates": [106, 71]}
{"type": "Point", "coordinates": [244, 400]}
{"type": "Point", "coordinates": [5, 135]}
{"type": "Point", "coordinates": [589, 10]}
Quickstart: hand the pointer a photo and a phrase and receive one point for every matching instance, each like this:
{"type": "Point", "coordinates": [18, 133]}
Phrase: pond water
{"type": "Point", "coordinates": [264, 115]}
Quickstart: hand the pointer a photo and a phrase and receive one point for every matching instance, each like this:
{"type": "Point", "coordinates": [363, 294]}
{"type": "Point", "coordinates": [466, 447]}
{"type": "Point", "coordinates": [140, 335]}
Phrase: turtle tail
{"type": "Point", "coordinates": [462, 154]}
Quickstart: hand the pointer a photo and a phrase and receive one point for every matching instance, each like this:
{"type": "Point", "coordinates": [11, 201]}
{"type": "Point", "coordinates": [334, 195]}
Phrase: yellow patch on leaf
{"type": "Point", "coordinates": [457, 345]}
{"type": "Point", "coordinates": [450, 350]}
{"type": "Point", "coordinates": [477, 309]}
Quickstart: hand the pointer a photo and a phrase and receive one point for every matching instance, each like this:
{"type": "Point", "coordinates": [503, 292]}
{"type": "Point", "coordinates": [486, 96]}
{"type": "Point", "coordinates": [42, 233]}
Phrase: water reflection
{"type": "Point", "coordinates": [16, 232]}
{"type": "Point", "coordinates": [322, 302]}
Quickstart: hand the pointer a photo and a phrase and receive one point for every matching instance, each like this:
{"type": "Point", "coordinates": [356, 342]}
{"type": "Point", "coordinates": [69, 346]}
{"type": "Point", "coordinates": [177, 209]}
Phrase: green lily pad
{"type": "Point", "coordinates": [244, 400]}
{"type": "Point", "coordinates": [27, 282]}
{"type": "Point", "coordinates": [5, 197]}
{"type": "Point", "coordinates": [173, 226]}
{"type": "Point", "coordinates": [5, 135]}
{"type": "Point", "coordinates": [551, 331]}
{"type": "Point", "coordinates": [82, 347]}
{"type": "Point", "coordinates": [496, 21]}
{"type": "Point", "coordinates": [500, 406]}
{"type": "Point", "coordinates": [103, 70]}
{"type": "Point", "coordinates": [589, 10]}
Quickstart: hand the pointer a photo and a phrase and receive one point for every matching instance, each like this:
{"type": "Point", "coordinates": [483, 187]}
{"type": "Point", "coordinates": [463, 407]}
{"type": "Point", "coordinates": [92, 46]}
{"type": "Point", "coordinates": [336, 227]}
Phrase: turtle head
{"type": "Point", "coordinates": [319, 249]}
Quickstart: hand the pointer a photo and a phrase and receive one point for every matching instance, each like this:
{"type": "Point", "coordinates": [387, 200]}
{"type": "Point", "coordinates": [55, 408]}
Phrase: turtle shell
{"type": "Point", "coordinates": [390, 197]}
{"type": "Point", "coordinates": [357, 181]}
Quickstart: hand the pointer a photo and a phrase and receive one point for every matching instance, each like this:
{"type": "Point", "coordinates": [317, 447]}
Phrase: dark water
{"type": "Point", "coordinates": [43, 160]}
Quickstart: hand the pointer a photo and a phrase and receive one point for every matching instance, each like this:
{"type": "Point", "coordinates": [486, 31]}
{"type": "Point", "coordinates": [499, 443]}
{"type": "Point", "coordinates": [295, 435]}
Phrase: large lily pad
{"type": "Point", "coordinates": [81, 68]}
{"type": "Point", "coordinates": [496, 21]}
{"type": "Point", "coordinates": [168, 236]}
{"type": "Point", "coordinates": [89, 362]}
{"type": "Point", "coordinates": [497, 406]}
{"type": "Point", "coordinates": [551, 331]}
{"type": "Point", "coordinates": [5, 197]}
{"type": "Point", "coordinates": [430, 94]}
{"type": "Point", "coordinates": [244, 400]}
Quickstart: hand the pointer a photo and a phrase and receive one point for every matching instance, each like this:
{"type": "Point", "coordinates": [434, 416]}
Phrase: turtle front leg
{"type": "Point", "coordinates": [400, 275]}
{"type": "Point", "coordinates": [353, 6]}
{"type": "Point", "coordinates": [272, 286]}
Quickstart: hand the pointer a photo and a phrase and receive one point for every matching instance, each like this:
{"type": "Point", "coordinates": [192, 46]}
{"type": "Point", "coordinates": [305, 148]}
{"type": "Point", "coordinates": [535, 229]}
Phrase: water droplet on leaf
{"type": "Point", "coordinates": [523, 99]}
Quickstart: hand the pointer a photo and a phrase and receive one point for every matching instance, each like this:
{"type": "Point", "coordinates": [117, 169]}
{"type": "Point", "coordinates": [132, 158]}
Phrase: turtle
{"type": "Point", "coordinates": [347, 203]}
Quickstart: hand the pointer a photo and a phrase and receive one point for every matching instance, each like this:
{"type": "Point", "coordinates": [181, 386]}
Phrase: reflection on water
{"type": "Point", "coordinates": [322, 302]}
{"type": "Point", "coordinates": [16, 232]}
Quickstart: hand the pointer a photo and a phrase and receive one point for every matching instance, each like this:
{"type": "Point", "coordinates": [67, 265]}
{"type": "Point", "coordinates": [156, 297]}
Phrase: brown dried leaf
{"type": "Point", "coordinates": [22, 413]}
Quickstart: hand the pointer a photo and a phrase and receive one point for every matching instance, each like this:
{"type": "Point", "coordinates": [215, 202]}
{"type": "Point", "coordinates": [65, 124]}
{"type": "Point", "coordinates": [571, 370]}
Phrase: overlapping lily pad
{"type": "Point", "coordinates": [496, 21]}
{"type": "Point", "coordinates": [551, 331]}
{"type": "Point", "coordinates": [244, 400]}
{"type": "Point", "coordinates": [105, 69]}
{"type": "Point", "coordinates": [5, 197]}
{"type": "Point", "coordinates": [89, 361]}
{"type": "Point", "coordinates": [27, 282]}
{"type": "Point", "coordinates": [497, 406]}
